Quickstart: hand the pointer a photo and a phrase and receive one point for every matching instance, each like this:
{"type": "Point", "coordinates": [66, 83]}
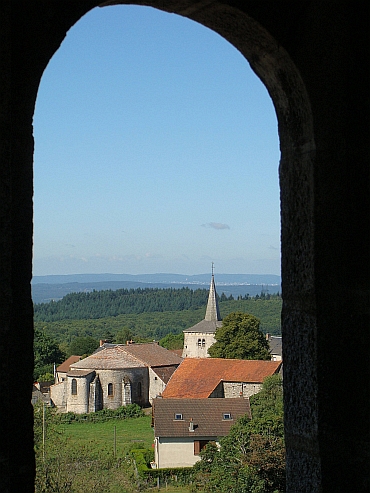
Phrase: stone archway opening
{"type": "Point", "coordinates": [274, 67]}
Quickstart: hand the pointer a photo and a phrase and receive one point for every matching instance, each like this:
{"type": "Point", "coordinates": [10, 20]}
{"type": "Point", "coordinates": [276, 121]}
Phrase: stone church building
{"type": "Point", "coordinates": [115, 375]}
{"type": "Point", "coordinates": [199, 338]}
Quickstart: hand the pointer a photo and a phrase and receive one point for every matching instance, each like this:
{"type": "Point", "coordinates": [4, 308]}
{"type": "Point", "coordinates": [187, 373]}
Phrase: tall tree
{"type": "Point", "coordinates": [172, 341]}
{"type": "Point", "coordinates": [46, 353]}
{"type": "Point", "coordinates": [240, 337]}
{"type": "Point", "coordinates": [123, 335]}
{"type": "Point", "coordinates": [83, 346]}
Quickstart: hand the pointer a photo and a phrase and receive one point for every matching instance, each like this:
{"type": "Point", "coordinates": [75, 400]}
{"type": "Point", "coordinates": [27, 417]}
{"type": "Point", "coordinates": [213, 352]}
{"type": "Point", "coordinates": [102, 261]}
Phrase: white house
{"type": "Point", "coordinates": [183, 427]}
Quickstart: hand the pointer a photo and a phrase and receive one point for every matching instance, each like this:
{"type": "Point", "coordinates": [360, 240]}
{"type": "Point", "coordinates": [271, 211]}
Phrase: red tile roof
{"type": "Point", "coordinates": [207, 416]}
{"type": "Point", "coordinates": [64, 367]}
{"type": "Point", "coordinates": [197, 377]}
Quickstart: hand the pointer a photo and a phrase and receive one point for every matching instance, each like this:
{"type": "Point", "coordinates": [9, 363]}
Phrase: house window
{"type": "Point", "coordinates": [227, 416]}
{"type": "Point", "coordinates": [110, 389]}
{"type": "Point", "coordinates": [203, 342]}
{"type": "Point", "coordinates": [200, 342]}
{"type": "Point", "coordinates": [178, 416]}
{"type": "Point", "coordinates": [199, 445]}
{"type": "Point", "coordinates": [74, 387]}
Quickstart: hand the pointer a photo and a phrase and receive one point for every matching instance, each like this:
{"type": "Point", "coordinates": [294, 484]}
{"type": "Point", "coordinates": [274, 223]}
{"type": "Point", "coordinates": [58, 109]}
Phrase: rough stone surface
{"type": "Point", "coordinates": [313, 58]}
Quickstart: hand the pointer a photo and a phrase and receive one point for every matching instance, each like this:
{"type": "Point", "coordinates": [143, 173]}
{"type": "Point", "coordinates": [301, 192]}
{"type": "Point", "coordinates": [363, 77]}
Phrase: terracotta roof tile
{"type": "Point", "coordinates": [207, 416]}
{"type": "Point", "coordinates": [64, 367]}
{"type": "Point", "coordinates": [198, 377]}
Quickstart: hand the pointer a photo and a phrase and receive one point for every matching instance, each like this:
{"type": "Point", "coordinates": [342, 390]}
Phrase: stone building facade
{"type": "Point", "coordinates": [114, 376]}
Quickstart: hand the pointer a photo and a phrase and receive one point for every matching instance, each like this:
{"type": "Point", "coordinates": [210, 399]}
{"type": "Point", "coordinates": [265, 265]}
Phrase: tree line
{"type": "Point", "coordinates": [111, 303]}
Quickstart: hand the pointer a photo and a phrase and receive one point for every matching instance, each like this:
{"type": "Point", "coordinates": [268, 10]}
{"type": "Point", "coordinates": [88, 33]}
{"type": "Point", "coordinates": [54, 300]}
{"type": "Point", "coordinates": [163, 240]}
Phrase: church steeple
{"type": "Point", "coordinates": [212, 312]}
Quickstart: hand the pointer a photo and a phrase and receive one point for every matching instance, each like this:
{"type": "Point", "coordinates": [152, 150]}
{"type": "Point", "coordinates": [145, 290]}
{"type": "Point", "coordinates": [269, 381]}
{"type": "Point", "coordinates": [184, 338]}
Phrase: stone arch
{"type": "Point", "coordinates": [275, 68]}
{"type": "Point", "coordinates": [319, 84]}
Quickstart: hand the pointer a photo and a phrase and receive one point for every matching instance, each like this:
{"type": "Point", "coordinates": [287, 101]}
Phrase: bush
{"type": "Point", "coordinates": [123, 412]}
{"type": "Point", "coordinates": [178, 475]}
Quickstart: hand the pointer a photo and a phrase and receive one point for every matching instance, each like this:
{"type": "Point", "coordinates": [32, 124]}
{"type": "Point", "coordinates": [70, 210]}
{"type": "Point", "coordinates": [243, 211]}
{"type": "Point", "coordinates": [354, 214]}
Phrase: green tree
{"type": "Point", "coordinates": [83, 346]}
{"type": "Point", "coordinates": [172, 341]}
{"type": "Point", "coordinates": [251, 457]}
{"type": "Point", "coordinates": [46, 353]}
{"type": "Point", "coordinates": [240, 337]}
{"type": "Point", "coordinates": [123, 335]}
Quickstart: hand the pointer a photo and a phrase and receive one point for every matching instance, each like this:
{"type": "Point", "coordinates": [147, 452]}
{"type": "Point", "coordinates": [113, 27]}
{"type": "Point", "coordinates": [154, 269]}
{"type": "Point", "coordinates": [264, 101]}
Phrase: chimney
{"type": "Point", "coordinates": [191, 425]}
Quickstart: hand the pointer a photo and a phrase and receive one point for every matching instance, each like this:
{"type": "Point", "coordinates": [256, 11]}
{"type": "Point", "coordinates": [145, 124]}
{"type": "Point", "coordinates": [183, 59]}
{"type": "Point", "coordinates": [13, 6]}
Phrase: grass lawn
{"type": "Point", "coordinates": [129, 432]}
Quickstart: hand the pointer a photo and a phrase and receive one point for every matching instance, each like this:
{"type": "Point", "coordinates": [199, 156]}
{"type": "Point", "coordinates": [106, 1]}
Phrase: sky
{"type": "Point", "coordinates": [156, 151]}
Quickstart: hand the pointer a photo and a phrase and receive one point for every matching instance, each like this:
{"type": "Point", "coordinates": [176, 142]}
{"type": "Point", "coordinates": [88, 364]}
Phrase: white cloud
{"type": "Point", "coordinates": [216, 226]}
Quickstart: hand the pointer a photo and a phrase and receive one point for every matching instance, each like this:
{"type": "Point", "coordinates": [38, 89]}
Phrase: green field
{"type": "Point", "coordinates": [116, 433]}
{"type": "Point", "coordinates": [85, 456]}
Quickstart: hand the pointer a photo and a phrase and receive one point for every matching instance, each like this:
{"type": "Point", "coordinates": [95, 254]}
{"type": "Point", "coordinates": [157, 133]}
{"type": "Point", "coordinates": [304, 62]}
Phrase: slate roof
{"type": "Point", "coordinates": [64, 367]}
{"type": "Point", "coordinates": [108, 358]}
{"type": "Point", "coordinates": [207, 416]}
{"type": "Point", "coordinates": [205, 326]}
{"type": "Point", "coordinates": [198, 377]}
{"type": "Point", "coordinates": [164, 372]}
{"type": "Point", "coordinates": [276, 345]}
{"type": "Point", "coordinates": [212, 319]}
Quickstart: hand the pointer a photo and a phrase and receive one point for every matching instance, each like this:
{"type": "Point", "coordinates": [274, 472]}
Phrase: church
{"type": "Point", "coordinates": [199, 338]}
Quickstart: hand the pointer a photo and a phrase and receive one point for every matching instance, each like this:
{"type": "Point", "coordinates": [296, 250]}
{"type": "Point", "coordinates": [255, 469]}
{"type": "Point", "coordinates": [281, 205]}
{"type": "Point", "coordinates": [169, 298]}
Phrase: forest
{"type": "Point", "coordinates": [147, 313]}
{"type": "Point", "coordinates": [110, 303]}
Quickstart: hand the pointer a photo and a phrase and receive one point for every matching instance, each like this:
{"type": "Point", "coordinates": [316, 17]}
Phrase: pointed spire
{"type": "Point", "coordinates": [212, 312]}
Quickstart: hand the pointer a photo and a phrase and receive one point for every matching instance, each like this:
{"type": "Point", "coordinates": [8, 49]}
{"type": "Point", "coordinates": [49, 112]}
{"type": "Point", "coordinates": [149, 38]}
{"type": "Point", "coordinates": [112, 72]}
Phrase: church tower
{"type": "Point", "coordinates": [199, 338]}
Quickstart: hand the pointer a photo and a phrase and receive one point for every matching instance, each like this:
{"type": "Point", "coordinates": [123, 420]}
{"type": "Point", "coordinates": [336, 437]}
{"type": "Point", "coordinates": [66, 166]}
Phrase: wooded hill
{"type": "Point", "coordinates": [158, 312]}
{"type": "Point", "coordinates": [109, 303]}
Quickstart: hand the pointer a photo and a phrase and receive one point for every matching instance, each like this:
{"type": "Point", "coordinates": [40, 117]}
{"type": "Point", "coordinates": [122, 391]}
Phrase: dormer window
{"type": "Point", "coordinates": [178, 416]}
{"type": "Point", "coordinates": [227, 416]}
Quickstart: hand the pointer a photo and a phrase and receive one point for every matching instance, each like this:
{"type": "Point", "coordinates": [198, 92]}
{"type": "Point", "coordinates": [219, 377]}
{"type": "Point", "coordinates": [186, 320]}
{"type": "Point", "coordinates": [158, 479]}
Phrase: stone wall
{"type": "Point", "coordinates": [313, 58]}
{"type": "Point", "coordinates": [196, 344]}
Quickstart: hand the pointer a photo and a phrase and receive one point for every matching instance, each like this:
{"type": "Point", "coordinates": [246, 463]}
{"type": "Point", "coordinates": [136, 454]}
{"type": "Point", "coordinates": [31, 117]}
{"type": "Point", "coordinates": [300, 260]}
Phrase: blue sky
{"type": "Point", "coordinates": [156, 150]}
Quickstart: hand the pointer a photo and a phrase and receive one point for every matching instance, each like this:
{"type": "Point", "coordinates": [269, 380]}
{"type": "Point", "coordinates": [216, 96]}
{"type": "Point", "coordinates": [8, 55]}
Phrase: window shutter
{"type": "Point", "coordinates": [196, 447]}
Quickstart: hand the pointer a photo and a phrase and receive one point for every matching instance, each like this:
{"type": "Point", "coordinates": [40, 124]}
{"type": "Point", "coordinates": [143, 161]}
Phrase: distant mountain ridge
{"type": "Point", "coordinates": [55, 287]}
{"type": "Point", "coordinates": [224, 279]}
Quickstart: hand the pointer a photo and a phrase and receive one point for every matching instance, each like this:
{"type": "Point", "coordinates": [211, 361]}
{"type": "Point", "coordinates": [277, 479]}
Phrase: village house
{"type": "Point", "coordinates": [202, 378]}
{"type": "Point", "coordinates": [115, 375]}
{"type": "Point", "coordinates": [183, 427]}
